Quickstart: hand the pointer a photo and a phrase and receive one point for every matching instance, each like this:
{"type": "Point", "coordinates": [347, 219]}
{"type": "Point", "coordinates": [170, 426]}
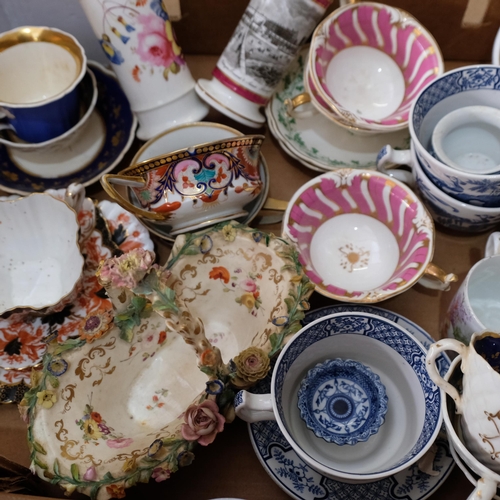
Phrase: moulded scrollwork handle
{"type": "Point", "coordinates": [485, 489]}
{"type": "Point", "coordinates": [434, 351]}
{"type": "Point", "coordinates": [388, 159]}
{"type": "Point", "coordinates": [107, 181]}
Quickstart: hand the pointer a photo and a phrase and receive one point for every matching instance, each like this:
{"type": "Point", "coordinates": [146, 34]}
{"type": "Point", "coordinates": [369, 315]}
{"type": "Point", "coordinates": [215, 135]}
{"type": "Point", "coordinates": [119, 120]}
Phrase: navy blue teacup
{"type": "Point", "coordinates": [41, 70]}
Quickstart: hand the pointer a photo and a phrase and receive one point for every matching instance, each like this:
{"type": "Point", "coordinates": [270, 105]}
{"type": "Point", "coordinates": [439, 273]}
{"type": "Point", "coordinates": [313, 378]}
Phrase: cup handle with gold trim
{"type": "Point", "coordinates": [434, 277]}
{"type": "Point", "coordinates": [107, 181]}
{"type": "Point", "coordinates": [292, 105]}
{"type": "Point", "coordinates": [433, 352]}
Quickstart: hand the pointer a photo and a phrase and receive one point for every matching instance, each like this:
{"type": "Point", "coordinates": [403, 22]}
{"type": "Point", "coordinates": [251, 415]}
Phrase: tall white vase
{"type": "Point", "coordinates": [138, 39]}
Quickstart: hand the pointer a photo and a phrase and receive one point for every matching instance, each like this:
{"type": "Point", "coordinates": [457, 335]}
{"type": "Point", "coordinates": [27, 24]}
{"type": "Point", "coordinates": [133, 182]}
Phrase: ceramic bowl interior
{"type": "Point", "coordinates": [237, 286]}
{"type": "Point", "coordinates": [413, 416]}
{"type": "Point", "coordinates": [360, 235]}
{"type": "Point", "coordinates": [373, 42]}
{"type": "Point", "coordinates": [467, 86]}
{"type": "Point", "coordinates": [87, 90]}
{"type": "Point", "coordinates": [40, 261]}
{"type": "Point", "coordinates": [127, 395]}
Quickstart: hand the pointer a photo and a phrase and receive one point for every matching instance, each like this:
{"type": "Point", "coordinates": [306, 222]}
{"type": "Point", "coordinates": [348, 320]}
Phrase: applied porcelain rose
{"type": "Point", "coordinates": [139, 41]}
{"type": "Point", "coordinates": [40, 262]}
{"type": "Point", "coordinates": [362, 237]}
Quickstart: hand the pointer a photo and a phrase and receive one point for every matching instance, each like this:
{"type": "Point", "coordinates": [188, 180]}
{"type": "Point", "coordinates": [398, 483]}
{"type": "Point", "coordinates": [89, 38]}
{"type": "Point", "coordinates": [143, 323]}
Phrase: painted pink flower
{"type": "Point", "coordinates": [90, 474]}
{"type": "Point", "coordinates": [119, 443]}
{"type": "Point", "coordinates": [153, 45]}
{"type": "Point", "coordinates": [160, 474]}
{"type": "Point", "coordinates": [248, 285]}
{"type": "Point", "coordinates": [202, 422]}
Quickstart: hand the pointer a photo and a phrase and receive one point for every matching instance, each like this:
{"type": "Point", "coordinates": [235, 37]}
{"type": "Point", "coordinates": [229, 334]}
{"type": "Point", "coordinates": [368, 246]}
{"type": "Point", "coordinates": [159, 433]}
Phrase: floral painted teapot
{"type": "Point", "coordinates": [127, 403]}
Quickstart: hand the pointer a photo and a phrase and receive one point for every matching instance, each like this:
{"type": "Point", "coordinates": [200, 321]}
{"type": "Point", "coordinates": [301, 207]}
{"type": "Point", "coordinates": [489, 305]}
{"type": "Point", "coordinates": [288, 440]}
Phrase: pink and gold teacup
{"type": "Point", "coordinates": [193, 187]}
{"type": "Point", "coordinates": [362, 237]}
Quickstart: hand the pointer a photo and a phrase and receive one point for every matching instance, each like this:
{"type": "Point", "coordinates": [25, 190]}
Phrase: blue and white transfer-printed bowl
{"type": "Point", "coordinates": [465, 86]}
{"type": "Point", "coordinates": [342, 401]}
{"type": "Point", "coordinates": [413, 418]}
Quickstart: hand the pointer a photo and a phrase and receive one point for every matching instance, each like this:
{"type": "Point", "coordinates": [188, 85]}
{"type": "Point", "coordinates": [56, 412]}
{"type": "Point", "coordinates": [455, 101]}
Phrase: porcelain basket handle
{"type": "Point", "coordinates": [253, 407]}
{"type": "Point", "coordinates": [434, 351]}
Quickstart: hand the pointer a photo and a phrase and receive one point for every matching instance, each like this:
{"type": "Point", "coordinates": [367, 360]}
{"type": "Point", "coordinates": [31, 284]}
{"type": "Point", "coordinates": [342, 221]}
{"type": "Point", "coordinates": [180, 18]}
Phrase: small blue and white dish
{"type": "Point", "coordinates": [97, 149]}
{"type": "Point", "coordinates": [342, 401]}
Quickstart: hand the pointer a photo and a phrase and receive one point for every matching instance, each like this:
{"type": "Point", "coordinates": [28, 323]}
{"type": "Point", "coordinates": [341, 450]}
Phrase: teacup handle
{"type": "Point", "coordinates": [388, 159]}
{"type": "Point", "coordinates": [437, 279]}
{"type": "Point", "coordinates": [486, 489]}
{"type": "Point", "coordinates": [108, 179]}
{"type": "Point", "coordinates": [253, 407]}
{"type": "Point", "coordinates": [434, 351]}
{"type": "Point", "coordinates": [492, 244]}
{"type": "Point", "coordinates": [292, 104]}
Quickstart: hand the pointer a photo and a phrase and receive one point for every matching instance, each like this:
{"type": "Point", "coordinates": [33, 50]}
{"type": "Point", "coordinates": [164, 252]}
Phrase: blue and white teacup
{"type": "Point", "coordinates": [444, 209]}
{"type": "Point", "coordinates": [413, 418]}
{"type": "Point", "coordinates": [41, 70]}
{"type": "Point", "coordinates": [459, 88]}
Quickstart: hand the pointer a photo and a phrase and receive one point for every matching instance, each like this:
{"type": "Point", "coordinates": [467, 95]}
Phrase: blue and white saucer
{"type": "Point", "coordinates": [97, 149]}
{"type": "Point", "coordinates": [302, 482]}
{"type": "Point", "coordinates": [342, 401]}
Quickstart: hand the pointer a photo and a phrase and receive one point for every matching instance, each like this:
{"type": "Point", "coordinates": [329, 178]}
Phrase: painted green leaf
{"type": "Point", "coordinates": [41, 464]}
{"type": "Point", "coordinates": [55, 467]}
{"type": "Point", "coordinates": [75, 473]}
{"type": "Point", "coordinates": [39, 448]}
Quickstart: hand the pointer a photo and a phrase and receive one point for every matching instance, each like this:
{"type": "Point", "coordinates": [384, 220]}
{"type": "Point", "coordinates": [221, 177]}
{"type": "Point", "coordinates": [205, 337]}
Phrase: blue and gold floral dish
{"type": "Point", "coordinates": [342, 401]}
{"type": "Point", "coordinates": [107, 137]}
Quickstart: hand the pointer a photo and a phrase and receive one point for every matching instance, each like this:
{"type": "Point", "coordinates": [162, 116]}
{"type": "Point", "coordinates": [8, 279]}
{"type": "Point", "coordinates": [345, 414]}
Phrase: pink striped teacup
{"type": "Point", "coordinates": [369, 61]}
{"type": "Point", "coordinates": [362, 236]}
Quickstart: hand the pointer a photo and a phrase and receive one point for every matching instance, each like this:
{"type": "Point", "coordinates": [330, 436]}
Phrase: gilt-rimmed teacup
{"type": "Point", "coordinates": [362, 237]}
{"type": "Point", "coordinates": [369, 61]}
{"type": "Point", "coordinates": [41, 70]}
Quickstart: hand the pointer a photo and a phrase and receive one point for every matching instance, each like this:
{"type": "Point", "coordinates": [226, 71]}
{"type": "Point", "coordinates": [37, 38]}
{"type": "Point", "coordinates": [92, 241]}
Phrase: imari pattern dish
{"type": "Point", "coordinates": [190, 187]}
{"type": "Point", "coordinates": [107, 136]}
{"type": "Point", "coordinates": [184, 136]}
{"type": "Point", "coordinates": [41, 279]}
{"type": "Point", "coordinates": [388, 47]}
{"type": "Point", "coordinates": [361, 236]}
{"type": "Point", "coordinates": [342, 401]}
{"type": "Point", "coordinates": [318, 141]}
{"type": "Point", "coordinates": [303, 482]}
{"type": "Point", "coordinates": [23, 337]}
{"type": "Point", "coordinates": [125, 401]}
